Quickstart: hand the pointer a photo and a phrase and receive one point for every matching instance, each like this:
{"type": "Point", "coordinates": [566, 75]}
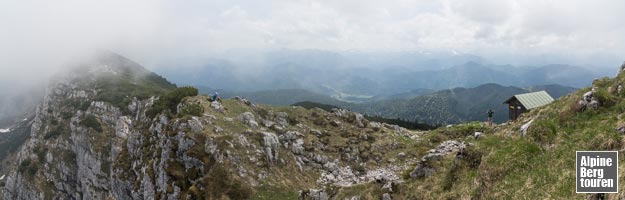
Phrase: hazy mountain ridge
{"type": "Point", "coordinates": [385, 75]}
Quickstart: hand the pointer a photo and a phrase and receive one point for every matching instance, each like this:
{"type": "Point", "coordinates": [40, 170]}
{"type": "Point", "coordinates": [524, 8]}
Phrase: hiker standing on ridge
{"type": "Point", "coordinates": [490, 116]}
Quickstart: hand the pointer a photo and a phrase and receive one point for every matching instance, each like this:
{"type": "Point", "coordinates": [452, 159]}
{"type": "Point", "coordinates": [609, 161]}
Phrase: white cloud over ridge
{"type": "Point", "coordinates": [161, 31]}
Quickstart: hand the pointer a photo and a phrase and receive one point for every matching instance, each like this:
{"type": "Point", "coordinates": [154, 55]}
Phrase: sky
{"type": "Point", "coordinates": [38, 35]}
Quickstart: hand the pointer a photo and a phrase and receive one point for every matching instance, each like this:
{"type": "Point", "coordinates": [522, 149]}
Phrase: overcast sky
{"type": "Point", "coordinates": [36, 34]}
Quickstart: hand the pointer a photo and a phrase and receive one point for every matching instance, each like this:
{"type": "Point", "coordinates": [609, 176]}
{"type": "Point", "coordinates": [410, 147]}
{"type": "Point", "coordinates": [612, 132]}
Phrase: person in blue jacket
{"type": "Point", "coordinates": [216, 97]}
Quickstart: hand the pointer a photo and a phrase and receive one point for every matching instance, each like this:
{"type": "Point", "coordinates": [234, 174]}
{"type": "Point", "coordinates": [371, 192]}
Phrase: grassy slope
{"type": "Point", "coordinates": [540, 165]}
{"type": "Point", "coordinates": [537, 166]}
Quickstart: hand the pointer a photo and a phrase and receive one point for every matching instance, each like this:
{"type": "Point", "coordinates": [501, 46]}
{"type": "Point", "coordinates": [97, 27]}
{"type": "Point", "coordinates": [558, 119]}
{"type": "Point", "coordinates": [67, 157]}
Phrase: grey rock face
{"type": "Point", "coordinates": [292, 140]}
{"type": "Point", "coordinates": [271, 145]}
{"type": "Point", "coordinates": [243, 100]}
{"type": "Point", "coordinates": [423, 169]}
{"type": "Point", "coordinates": [79, 159]}
{"type": "Point", "coordinates": [195, 124]}
{"type": "Point", "coordinates": [282, 118]}
{"type": "Point", "coordinates": [443, 149]}
{"type": "Point", "coordinates": [360, 120]}
{"type": "Point", "coordinates": [313, 194]}
{"type": "Point", "coordinates": [248, 118]}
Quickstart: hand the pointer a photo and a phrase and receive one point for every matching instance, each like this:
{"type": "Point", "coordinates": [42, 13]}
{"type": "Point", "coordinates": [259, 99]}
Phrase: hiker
{"type": "Point", "coordinates": [490, 116]}
{"type": "Point", "coordinates": [216, 97]}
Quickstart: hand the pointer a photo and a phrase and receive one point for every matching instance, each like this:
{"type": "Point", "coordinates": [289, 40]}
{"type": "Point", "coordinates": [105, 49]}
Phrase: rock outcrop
{"type": "Point", "coordinates": [87, 142]}
{"type": "Point", "coordinates": [424, 169]}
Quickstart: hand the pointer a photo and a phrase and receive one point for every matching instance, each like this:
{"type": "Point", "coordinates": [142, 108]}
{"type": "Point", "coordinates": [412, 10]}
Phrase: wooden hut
{"type": "Point", "coordinates": [522, 103]}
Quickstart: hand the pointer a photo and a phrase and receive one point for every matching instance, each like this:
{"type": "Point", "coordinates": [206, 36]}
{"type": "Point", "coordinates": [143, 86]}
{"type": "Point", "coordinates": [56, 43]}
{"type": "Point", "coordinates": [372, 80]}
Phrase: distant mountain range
{"type": "Point", "coordinates": [357, 76]}
{"type": "Point", "coordinates": [433, 107]}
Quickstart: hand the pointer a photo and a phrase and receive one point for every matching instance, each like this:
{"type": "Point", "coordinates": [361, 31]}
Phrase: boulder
{"type": "Point", "coordinates": [401, 155]}
{"type": "Point", "coordinates": [360, 120]}
{"type": "Point", "coordinates": [282, 118]}
{"type": "Point", "coordinates": [313, 194]}
{"type": "Point", "coordinates": [248, 119]}
{"type": "Point", "coordinates": [443, 149]}
{"type": "Point", "coordinates": [477, 135]}
{"type": "Point", "coordinates": [422, 170]}
{"type": "Point", "coordinates": [271, 145]}
{"type": "Point", "coordinates": [588, 96]}
{"type": "Point", "coordinates": [195, 124]}
{"type": "Point", "coordinates": [316, 132]}
{"type": "Point", "coordinates": [525, 127]}
{"type": "Point", "coordinates": [581, 105]}
{"type": "Point", "coordinates": [594, 104]}
{"type": "Point", "coordinates": [386, 196]}
{"type": "Point", "coordinates": [217, 106]}
{"type": "Point", "coordinates": [589, 100]}
{"type": "Point", "coordinates": [620, 129]}
{"type": "Point", "coordinates": [243, 100]}
{"type": "Point", "coordinates": [292, 138]}
{"type": "Point", "coordinates": [376, 126]}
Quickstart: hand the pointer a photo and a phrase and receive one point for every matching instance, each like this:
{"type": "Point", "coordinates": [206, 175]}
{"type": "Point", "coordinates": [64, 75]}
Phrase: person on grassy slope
{"type": "Point", "coordinates": [490, 113]}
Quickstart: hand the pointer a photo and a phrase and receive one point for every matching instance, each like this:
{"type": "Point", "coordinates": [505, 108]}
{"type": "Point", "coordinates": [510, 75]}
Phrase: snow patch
{"type": "Point", "coordinates": [4, 130]}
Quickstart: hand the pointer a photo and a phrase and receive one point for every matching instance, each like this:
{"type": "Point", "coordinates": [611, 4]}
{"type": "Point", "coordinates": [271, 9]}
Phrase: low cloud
{"type": "Point", "coordinates": [37, 36]}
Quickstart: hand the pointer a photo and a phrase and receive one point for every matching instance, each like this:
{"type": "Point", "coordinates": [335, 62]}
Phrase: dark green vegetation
{"type": "Point", "coordinates": [453, 106]}
{"type": "Point", "coordinates": [29, 167]}
{"type": "Point", "coordinates": [170, 100]}
{"type": "Point", "coordinates": [120, 90]}
{"type": "Point", "coordinates": [191, 109]}
{"type": "Point", "coordinates": [90, 121]}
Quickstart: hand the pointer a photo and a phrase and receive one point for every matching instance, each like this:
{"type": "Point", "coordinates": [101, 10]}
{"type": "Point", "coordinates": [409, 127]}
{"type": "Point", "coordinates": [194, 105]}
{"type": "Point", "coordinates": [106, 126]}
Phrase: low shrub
{"type": "Point", "coordinates": [191, 109]}
{"type": "Point", "coordinates": [543, 131]}
{"type": "Point", "coordinates": [91, 122]}
{"type": "Point", "coordinates": [28, 167]}
{"type": "Point", "coordinates": [169, 101]}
